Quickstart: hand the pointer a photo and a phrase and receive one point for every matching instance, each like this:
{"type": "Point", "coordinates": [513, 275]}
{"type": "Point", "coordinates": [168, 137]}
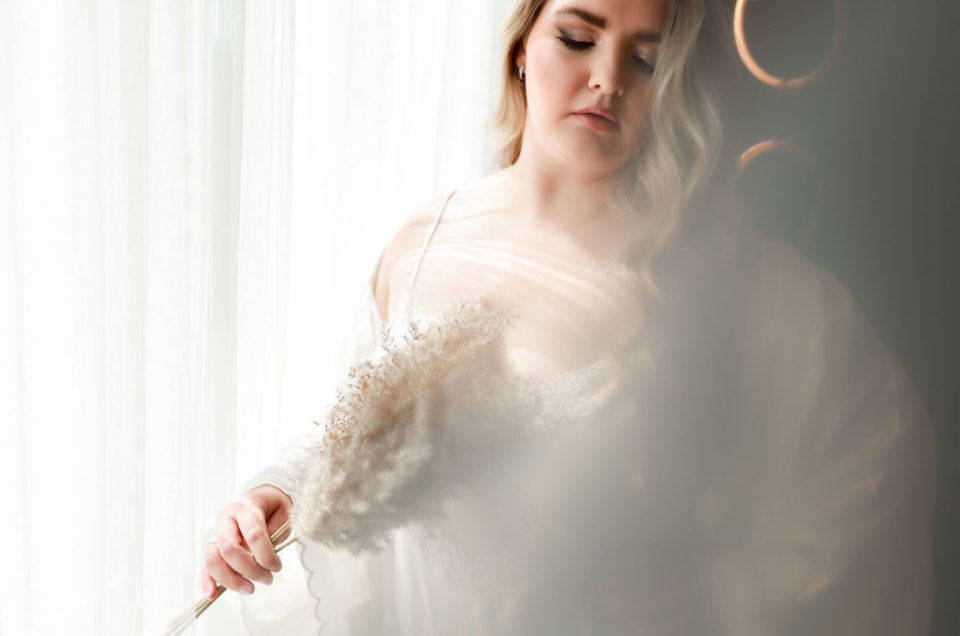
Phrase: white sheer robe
{"type": "Point", "coordinates": [762, 467]}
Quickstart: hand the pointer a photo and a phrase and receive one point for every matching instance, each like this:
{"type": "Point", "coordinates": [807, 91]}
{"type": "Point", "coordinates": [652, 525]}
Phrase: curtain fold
{"type": "Point", "coordinates": [192, 193]}
{"type": "Point", "coordinates": [120, 218]}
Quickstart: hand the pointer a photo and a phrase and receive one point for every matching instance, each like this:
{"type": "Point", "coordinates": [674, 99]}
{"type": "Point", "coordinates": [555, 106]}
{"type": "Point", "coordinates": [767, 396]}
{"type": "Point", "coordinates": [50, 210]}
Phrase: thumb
{"type": "Point", "coordinates": [277, 519]}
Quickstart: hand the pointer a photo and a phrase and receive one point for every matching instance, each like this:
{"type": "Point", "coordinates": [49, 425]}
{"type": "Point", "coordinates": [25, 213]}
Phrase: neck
{"type": "Point", "coordinates": [562, 197]}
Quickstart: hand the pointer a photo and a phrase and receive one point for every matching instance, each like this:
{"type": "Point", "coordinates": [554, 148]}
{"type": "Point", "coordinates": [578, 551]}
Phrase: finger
{"type": "Point", "coordinates": [208, 584]}
{"type": "Point", "coordinates": [237, 555]}
{"type": "Point", "coordinates": [253, 528]}
{"type": "Point", "coordinates": [222, 572]}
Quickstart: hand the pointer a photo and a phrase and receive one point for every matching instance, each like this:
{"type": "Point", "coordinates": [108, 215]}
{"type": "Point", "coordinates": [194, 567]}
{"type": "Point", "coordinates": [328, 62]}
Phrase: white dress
{"type": "Point", "coordinates": [765, 469]}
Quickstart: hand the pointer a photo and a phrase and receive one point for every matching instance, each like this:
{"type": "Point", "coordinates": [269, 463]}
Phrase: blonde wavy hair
{"type": "Point", "coordinates": [684, 129]}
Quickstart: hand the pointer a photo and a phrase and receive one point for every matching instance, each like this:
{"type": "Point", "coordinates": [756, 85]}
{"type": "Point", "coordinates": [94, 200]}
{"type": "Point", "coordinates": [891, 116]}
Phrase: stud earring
{"type": "Point", "coordinates": [521, 72]}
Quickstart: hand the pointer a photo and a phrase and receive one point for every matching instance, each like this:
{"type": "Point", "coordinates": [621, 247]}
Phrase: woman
{"type": "Point", "coordinates": [760, 464]}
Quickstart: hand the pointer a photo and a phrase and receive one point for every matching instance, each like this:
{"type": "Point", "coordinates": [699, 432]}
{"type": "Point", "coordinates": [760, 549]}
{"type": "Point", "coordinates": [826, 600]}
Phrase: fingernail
{"type": "Point", "coordinates": [206, 588]}
{"type": "Point", "coordinates": [248, 589]}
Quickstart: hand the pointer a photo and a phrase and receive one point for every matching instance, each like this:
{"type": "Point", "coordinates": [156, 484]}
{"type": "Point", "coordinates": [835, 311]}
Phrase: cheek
{"type": "Point", "coordinates": [554, 79]}
{"type": "Point", "coordinates": [639, 110]}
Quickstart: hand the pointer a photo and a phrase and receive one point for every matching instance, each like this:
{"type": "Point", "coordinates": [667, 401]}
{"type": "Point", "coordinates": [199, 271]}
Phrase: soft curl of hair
{"type": "Point", "coordinates": [684, 124]}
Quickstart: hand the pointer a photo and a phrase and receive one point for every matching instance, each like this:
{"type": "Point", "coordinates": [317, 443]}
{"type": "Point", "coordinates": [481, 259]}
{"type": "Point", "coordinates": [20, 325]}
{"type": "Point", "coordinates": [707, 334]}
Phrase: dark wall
{"type": "Point", "coordinates": [882, 130]}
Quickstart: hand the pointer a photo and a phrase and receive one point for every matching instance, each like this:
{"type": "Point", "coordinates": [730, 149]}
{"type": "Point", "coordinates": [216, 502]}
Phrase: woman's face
{"type": "Point", "coordinates": [589, 65]}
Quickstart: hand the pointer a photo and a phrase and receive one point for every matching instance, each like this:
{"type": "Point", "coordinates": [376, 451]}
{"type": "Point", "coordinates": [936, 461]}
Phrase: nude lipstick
{"type": "Point", "coordinates": [597, 118]}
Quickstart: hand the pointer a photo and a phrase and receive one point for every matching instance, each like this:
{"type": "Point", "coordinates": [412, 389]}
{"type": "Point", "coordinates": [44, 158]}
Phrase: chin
{"type": "Point", "coordinates": [592, 162]}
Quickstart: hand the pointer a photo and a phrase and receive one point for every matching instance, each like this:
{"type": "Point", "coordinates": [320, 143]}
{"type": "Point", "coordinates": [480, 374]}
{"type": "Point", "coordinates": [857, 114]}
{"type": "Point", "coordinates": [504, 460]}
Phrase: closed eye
{"type": "Point", "coordinates": [582, 45]}
{"type": "Point", "coordinates": [643, 64]}
{"type": "Point", "coordinates": [575, 45]}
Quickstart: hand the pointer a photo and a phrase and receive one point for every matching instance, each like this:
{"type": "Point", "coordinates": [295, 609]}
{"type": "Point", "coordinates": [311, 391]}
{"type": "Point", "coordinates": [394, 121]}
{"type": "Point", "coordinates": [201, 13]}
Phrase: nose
{"type": "Point", "coordinates": [609, 72]}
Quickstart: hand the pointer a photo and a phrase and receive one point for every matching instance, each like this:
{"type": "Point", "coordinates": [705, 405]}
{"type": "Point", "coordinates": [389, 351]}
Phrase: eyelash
{"type": "Point", "coordinates": [581, 45]}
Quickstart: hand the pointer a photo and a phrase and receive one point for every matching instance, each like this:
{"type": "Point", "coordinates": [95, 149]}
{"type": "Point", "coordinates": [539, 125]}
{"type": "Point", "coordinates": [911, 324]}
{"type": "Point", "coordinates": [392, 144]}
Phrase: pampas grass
{"type": "Point", "coordinates": [409, 426]}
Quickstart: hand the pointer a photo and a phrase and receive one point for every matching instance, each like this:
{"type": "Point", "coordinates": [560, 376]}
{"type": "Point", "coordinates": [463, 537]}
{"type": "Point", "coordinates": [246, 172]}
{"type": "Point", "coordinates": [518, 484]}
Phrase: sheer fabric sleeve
{"type": "Point", "coordinates": [831, 485]}
{"type": "Point", "coordinates": [358, 344]}
{"type": "Point", "coordinates": [288, 606]}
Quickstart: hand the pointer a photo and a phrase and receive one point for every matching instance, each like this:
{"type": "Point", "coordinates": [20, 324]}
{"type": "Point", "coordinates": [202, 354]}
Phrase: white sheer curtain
{"type": "Point", "coordinates": [191, 193]}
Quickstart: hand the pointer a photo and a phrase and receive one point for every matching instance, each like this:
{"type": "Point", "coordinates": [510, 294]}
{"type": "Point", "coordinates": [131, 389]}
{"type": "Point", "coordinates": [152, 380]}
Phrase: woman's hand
{"type": "Point", "coordinates": [241, 552]}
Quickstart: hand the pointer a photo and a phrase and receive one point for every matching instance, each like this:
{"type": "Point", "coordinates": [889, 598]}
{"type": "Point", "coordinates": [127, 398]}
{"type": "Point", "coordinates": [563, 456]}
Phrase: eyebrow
{"type": "Point", "coordinates": [600, 23]}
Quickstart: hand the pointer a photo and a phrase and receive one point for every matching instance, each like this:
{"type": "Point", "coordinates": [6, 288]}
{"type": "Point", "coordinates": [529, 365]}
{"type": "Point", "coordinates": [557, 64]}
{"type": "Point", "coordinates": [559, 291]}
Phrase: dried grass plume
{"type": "Point", "coordinates": [410, 425]}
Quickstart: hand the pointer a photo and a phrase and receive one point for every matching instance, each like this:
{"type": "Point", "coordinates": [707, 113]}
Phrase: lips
{"type": "Point", "coordinates": [597, 118]}
{"type": "Point", "coordinates": [599, 111]}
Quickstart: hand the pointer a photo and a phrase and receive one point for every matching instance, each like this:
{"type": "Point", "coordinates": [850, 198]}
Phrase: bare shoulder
{"type": "Point", "coordinates": [466, 202]}
{"type": "Point", "coordinates": [410, 236]}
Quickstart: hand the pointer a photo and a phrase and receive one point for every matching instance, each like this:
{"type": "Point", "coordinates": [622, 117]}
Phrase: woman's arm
{"type": "Point", "coordinates": [835, 531]}
{"type": "Point", "coordinates": [241, 551]}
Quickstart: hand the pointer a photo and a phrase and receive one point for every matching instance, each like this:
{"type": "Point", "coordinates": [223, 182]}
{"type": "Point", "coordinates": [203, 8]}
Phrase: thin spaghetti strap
{"type": "Point", "coordinates": [423, 252]}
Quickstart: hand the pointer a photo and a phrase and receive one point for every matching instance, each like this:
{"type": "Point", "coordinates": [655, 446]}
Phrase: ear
{"type": "Point", "coordinates": [521, 58]}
